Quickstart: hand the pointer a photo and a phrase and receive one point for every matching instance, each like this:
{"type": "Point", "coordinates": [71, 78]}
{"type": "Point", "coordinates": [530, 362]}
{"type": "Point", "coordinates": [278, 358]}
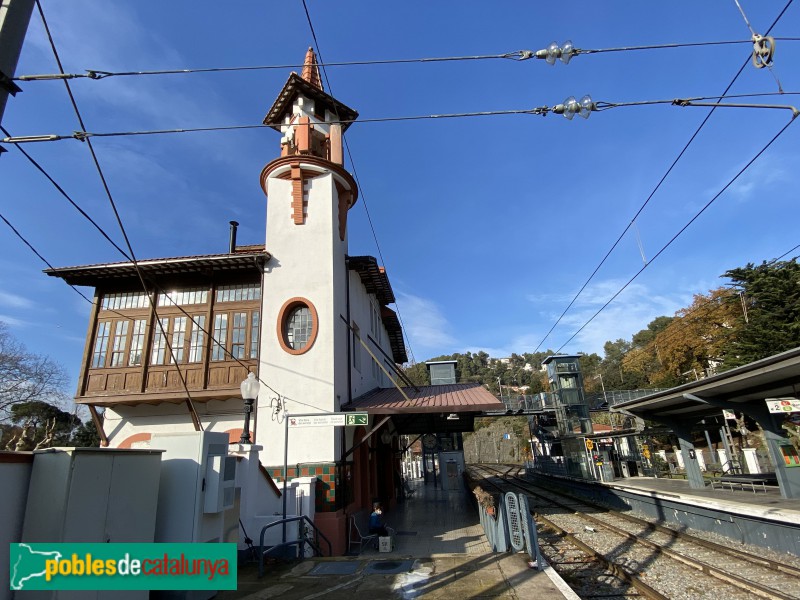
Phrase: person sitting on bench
{"type": "Point", "coordinates": [376, 523]}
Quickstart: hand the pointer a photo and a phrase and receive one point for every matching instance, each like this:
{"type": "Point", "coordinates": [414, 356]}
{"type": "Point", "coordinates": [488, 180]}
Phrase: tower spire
{"type": "Point", "coordinates": [311, 69]}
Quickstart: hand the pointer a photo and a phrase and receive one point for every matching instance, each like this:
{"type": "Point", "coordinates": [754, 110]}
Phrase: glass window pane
{"type": "Point", "coordinates": [298, 328]}
{"type": "Point", "coordinates": [178, 338]}
{"type": "Point", "coordinates": [137, 342]}
{"type": "Point", "coordinates": [238, 333]}
{"type": "Point", "coordinates": [197, 339]}
{"type": "Point", "coordinates": [254, 334]}
{"type": "Point", "coordinates": [101, 344]}
{"type": "Point", "coordinates": [159, 342]}
{"type": "Point", "coordinates": [120, 341]}
{"type": "Point", "coordinates": [220, 337]}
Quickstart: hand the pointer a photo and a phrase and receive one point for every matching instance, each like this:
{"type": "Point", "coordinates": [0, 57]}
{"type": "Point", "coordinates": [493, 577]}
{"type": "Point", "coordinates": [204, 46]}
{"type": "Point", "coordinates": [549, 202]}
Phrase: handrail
{"type": "Point", "coordinates": [300, 540]}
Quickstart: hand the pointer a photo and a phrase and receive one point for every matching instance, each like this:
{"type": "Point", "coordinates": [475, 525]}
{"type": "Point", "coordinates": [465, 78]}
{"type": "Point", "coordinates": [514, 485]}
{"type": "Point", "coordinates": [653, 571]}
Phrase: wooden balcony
{"type": "Point", "coordinates": [152, 384]}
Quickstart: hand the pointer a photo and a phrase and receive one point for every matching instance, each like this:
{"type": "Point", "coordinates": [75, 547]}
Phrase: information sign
{"type": "Point", "coordinates": [589, 444]}
{"type": "Point", "coordinates": [783, 405]}
{"type": "Point", "coordinates": [322, 420]}
{"type": "Point", "coordinates": [328, 420]}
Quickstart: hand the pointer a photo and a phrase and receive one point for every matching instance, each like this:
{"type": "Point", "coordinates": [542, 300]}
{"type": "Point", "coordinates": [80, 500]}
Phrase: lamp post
{"type": "Point", "coordinates": [249, 389]}
{"type": "Point", "coordinates": [602, 385]}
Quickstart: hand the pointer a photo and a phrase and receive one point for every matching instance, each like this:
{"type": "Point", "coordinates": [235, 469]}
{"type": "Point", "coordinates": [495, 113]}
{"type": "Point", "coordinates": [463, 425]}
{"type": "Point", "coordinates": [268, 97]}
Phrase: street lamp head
{"type": "Point", "coordinates": [250, 387]}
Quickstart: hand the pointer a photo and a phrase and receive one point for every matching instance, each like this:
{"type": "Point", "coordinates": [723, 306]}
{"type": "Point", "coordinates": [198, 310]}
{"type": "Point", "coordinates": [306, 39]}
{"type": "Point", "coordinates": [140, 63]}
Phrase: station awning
{"type": "Point", "coordinates": [430, 408]}
{"type": "Point", "coordinates": [772, 377]}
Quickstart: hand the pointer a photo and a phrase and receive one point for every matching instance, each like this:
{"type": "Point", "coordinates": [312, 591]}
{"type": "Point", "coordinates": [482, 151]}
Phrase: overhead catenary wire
{"type": "Point", "coordinates": [679, 321]}
{"type": "Point", "coordinates": [67, 196]}
{"type": "Point", "coordinates": [37, 253]}
{"type": "Point", "coordinates": [680, 231]}
{"type": "Point", "coordinates": [657, 187]}
{"type": "Point", "coordinates": [540, 110]}
{"type": "Point", "coordinates": [130, 255]}
{"type": "Point", "coordinates": [158, 289]}
{"type": "Point", "coordinates": [181, 375]}
{"type": "Point", "coordinates": [516, 55]}
{"type": "Point", "coordinates": [358, 182]}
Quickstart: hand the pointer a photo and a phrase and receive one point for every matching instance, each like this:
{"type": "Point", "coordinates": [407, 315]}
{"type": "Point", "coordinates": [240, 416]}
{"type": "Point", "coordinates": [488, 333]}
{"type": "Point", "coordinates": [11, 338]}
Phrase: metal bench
{"type": "Point", "coordinates": [739, 482]}
{"type": "Point", "coordinates": [358, 533]}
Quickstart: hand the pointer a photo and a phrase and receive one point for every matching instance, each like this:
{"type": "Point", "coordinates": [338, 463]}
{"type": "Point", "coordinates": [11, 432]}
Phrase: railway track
{"type": "Point", "coordinates": [658, 562]}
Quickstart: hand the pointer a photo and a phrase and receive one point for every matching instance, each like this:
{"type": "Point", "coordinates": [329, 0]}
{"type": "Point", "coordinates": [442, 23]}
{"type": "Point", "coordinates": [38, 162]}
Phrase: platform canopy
{"type": "Point", "coordinates": [429, 408]}
{"type": "Point", "coordinates": [773, 377]}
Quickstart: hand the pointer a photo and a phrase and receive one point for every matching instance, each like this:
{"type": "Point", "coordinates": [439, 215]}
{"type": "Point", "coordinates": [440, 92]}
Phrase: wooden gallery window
{"type": "Point", "coordinates": [236, 330]}
{"type": "Point", "coordinates": [117, 335]}
{"type": "Point", "coordinates": [118, 343]}
{"type": "Point", "coordinates": [186, 337]}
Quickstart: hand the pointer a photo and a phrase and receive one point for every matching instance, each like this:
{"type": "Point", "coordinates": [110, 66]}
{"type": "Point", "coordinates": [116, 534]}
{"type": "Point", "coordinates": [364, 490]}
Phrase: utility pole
{"type": "Point", "coordinates": [14, 18]}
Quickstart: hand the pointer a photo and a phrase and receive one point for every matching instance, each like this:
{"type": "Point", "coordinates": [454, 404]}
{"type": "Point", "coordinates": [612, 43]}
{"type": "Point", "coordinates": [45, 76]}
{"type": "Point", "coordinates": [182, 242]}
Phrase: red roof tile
{"type": "Point", "coordinates": [456, 398]}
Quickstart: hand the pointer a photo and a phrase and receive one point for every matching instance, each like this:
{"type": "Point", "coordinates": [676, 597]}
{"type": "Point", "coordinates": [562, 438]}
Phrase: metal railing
{"type": "Point", "coordinates": [301, 541]}
{"type": "Point", "coordinates": [534, 402]}
{"type": "Point", "coordinates": [604, 400]}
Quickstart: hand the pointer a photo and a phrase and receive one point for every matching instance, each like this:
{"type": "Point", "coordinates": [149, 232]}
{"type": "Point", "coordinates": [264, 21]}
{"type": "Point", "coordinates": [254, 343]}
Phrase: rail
{"type": "Point", "coordinates": [301, 540]}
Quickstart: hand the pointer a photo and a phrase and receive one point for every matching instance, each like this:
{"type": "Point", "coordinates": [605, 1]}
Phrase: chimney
{"type": "Point", "coordinates": [232, 247]}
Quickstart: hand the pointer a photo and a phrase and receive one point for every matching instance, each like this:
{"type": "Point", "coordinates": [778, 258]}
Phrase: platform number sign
{"type": "Point", "coordinates": [356, 419]}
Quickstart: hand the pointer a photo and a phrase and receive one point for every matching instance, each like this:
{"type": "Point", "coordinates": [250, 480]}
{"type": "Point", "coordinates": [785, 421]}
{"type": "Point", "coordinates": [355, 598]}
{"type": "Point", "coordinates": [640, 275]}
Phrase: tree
{"type": "Point", "coordinates": [37, 420]}
{"type": "Point", "coordinates": [611, 367]}
{"type": "Point", "coordinates": [767, 301]}
{"type": "Point", "coordinates": [25, 376]}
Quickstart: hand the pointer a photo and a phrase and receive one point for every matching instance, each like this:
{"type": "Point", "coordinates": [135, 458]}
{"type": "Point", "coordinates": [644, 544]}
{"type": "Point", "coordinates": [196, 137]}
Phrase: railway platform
{"type": "Point", "coordinates": [760, 517]}
{"type": "Point", "coordinates": [440, 552]}
{"type": "Point", "coordinates": [757, 502]}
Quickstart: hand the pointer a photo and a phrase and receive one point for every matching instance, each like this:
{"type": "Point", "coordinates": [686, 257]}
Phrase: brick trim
{"type": "Point", "coordinates": [136, 437]}
{"type": "Point", "coordinates": [298, 212]}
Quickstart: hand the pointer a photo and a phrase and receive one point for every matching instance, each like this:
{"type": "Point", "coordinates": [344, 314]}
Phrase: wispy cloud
{"type": "Point", "coordinates": [758, 179]}
{"type": "Point", "coordinates": [630, 312]}
{"type": "Point", "coordinates": [14, 301]}
{"type": "Point", "coordinates": [426, 326]}
{"type": "Point", "coordinates": [13, 321]}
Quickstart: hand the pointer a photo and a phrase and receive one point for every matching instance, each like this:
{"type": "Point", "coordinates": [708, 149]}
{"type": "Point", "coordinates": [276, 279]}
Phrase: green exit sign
{"type": "Point", "coordinates": [356, 419]}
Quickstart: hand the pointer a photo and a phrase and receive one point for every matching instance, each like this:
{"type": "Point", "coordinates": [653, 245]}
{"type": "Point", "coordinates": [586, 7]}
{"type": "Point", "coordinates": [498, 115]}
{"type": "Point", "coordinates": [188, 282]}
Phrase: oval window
{"type": "Point", "coordinates": [297, 326]}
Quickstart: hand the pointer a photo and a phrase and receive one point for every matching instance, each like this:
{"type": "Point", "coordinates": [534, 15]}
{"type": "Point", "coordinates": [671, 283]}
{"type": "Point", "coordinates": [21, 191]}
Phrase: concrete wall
{"type": "Point", "coordinates": [15, 473]}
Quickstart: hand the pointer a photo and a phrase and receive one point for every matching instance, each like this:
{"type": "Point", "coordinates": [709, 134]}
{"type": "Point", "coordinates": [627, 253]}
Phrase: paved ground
{"type": "Point", "coordinates": [446, 576]}
{"type": "Point", "coordinates": [440, 552]}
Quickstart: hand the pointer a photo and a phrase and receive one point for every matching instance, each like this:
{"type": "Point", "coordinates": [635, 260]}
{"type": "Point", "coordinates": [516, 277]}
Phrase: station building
{"type": "Point", "coordinates": [170, 340]}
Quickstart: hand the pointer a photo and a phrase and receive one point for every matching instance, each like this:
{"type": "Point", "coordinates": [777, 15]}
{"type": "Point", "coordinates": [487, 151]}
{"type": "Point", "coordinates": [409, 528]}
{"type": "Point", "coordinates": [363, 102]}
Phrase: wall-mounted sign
{"type": "Point", "coordinates": [328, 420]}
{"type": "Point", "coordinates": [783, 405]}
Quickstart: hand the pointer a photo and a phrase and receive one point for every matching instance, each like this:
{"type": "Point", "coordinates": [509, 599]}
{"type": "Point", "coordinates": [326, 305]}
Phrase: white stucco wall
{"type": "Point", "coordinates": [360, 302]}
{"type": "Point", "coordinates": [307, 260]}
{"type": "Point", "coordinates": [124, 421]}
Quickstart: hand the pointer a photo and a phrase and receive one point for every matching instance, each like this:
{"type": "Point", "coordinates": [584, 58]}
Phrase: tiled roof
{"type": "Point", "coordinates": [455, 398]}
{"type": "Point", "coordinates": [395, 333]}
{"type": "Point", "coordinates": [243, 259]}
{"type": "Point", "coordinates": [295, 86]}
{"type": "Point", "coordinates": [373, 277]}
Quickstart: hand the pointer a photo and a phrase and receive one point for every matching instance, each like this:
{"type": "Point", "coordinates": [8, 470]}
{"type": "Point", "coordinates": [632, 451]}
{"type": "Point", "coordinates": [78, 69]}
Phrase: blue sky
{"type": "Point", "coordinates": [488, 226]}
